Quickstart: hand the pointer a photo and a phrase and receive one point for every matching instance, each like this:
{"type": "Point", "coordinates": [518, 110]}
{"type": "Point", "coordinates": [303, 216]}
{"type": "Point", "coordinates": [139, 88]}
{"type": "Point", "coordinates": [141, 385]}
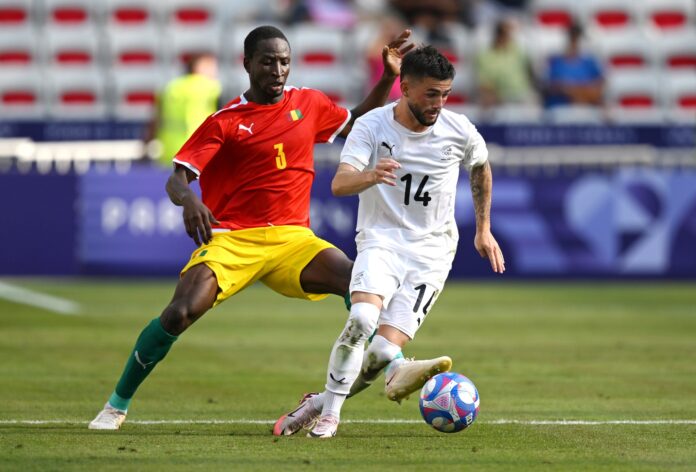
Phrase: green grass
{"type": "Point", "coordinates": [536, 351]}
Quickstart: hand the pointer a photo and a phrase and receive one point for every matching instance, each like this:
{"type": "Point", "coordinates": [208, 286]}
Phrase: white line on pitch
{"type": "Point", "coordinates": [373, 421]}
{"type": "Point", "coordinates": [40, 300]}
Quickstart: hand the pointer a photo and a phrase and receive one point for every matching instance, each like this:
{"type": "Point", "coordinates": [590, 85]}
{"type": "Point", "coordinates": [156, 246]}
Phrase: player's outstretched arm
{"type": "Point", "coordinates": [349, 180]}
{"type": "Point", "coordinates": [391, 58]}
{"type": "Point", "coordinates": [481, 181]}
{"type": "Point", "coordinates": [197, 217]}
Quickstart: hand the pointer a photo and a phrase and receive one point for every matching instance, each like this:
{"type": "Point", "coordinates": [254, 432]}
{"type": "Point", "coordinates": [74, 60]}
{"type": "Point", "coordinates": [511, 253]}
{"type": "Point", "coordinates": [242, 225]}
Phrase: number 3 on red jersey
{"type": "Point", "coordinates": [281, 163]}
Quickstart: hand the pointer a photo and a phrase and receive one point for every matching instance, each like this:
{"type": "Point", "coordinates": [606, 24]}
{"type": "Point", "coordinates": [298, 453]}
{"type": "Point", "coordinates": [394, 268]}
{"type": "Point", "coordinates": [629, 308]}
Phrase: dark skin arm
{"type": "Point", "coordinates": [481, 181]}
{"type": "Point", "coordinates": [198, 219]}
{"type": "Point", "coordinates": [391, 57]}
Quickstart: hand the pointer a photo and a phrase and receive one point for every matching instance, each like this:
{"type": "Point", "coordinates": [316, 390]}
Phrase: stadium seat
{"type": "Point", "coordinates": [71, 13]}
{"type": "Point", "coordinates": [462, 87]}
{"type": "Point", "coordinates": [679, 96]}
{"type": "Point", "coordinates": [633, 97]}
{"type": "Point", "coordinates": [668, 16]}
{"type": "Point", "coordinates": [575, 115]}
{"type": "Point", "coordinates": [609, 15]}
{"type": "Point", "coordinates": [134, 92]}
{"type": "Point", "coordinates": [676, 51]}
{"type": "Point", "coordinates": [76, 94]}
{"type": "Point", "coordinates": [137, 46]}
{"type": "Point", "coordinates": [317, 46]}
{"type": "Point", "coordinates": [181, 43]}
{"type": "Point", "coordinates": [192, 13]}
{"type": "Point", "coordinates": [246, 11]}
{"type": "Point", "coordinates": [18, 47]}
{"type": "Point", "coordinates": [625, 49]}
{"type": "Point", "coordinates": [130, 13]}
{"type": "Point", "coordinates": [21, 94]}
{"type": "Point", "coordinates": [71, 47]}
{"type": "Point", "coordinates": [553, 13]}
{"type": "Point", "coordinates": [337, 82]}
{"type": "Point", "coordinates": [17, 13]}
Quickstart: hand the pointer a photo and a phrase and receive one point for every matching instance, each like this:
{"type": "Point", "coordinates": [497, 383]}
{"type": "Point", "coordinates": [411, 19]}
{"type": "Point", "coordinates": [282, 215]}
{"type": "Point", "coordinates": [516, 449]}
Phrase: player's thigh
{"type": "Point", "coordinates": [416, 296]}
{"type": "Point", "coordinates": [328, 272]}
{"type": "Point", "coordinates": [290, 260]}
{"type": "Point", "coordinates": [377, 271]}
{"type": "Point", "coordinates": [236, 258]}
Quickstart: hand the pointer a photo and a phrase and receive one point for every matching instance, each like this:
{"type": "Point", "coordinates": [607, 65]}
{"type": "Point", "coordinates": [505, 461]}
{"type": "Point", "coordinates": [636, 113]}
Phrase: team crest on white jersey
{"type": "Point", "coordinates": [449, 152]}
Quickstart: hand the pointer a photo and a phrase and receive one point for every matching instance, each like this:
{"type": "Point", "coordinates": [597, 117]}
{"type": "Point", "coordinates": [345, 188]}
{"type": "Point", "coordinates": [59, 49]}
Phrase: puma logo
{"type": "Point", "coordinates": [247, 128]}
{"type": "Point", "coordinates": [340, 381]}
{"type": "Point", "coordinates": [390, 148]}
{"type": "Point", "coordinates": [143, 364]}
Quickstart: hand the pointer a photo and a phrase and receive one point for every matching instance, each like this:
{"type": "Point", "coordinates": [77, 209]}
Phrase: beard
{"type": "Point", "coordinates": [420, 115]}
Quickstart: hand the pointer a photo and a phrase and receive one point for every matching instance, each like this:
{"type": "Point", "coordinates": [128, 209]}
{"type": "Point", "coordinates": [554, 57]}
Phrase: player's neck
{"type": "Point", "coordinates": [262, 99]}
{"type": "Point", "coordinates": [404, 116]}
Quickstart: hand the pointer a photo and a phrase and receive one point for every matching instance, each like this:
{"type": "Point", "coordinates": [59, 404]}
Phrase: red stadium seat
{"type": "Point", "coordinates": [71, 13]}
{"type": "Point", "coordinates": [634, 97]}
{"type": "Point", "coordinates": [135, 92]}
{"type": "Point", "coordinates": [625, 49]}
{"type": "Point", "coordinates": [71, 47]}
{"type": "Point", "coordinates": [611, 15]}
{"type": "Point", "coordinates": [677, 50]}
{"type": "Point", "coordinates": [553, 13]}
{"type": "Point", "coordinates": [667, 16]}
{"type": "Point", "coordinates": [14, 13]}
{"type": "Point", "coordinates": [133, 47]}
{"type": "Point", "coordinates": [315, 45]}
{"type": "Point", "coordinates": [680, 96]}
{"type": "Point", "coordinates": [129, 13]}
{"type": "Point", "coordinates": [18, 47]}
{"type": "Point", "coordinates": [21, 94]}
{"type": "Point", "coordinates": [77, 94]}
{"type": "Point", "coordinates": [192, 13]}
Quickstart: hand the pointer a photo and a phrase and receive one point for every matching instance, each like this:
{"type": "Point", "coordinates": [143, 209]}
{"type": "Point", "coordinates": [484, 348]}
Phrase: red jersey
{"type": "Point", "coordinates": [256, 162]}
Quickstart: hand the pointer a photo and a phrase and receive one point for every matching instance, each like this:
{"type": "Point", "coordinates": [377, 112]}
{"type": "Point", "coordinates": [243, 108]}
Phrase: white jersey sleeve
{"type": "Point", "coordinates": [475, 152]}
{"type": "Point", "coordinates": [359, 146]}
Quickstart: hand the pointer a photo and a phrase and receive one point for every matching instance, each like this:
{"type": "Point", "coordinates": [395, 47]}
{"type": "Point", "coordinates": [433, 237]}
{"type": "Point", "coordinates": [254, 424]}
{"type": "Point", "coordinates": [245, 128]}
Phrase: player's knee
{"type": "Point", "coordinates": [361, 323]}
{"type": "Point", "coordinates": [177, 317]}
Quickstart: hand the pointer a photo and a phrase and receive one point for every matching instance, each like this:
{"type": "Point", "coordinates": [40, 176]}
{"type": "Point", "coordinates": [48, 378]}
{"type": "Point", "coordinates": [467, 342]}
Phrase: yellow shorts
{"type": "Point", "coordinates": [276, 255]}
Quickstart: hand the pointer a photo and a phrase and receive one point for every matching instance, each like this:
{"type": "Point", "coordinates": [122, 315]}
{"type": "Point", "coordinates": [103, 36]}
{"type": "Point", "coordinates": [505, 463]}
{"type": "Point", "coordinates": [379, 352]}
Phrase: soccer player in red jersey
{"type": "Point", "coordinates": [254, 159]}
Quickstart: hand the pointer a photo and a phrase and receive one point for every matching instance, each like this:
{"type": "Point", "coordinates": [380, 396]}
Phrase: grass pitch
{"type": "Point", "coordinates": [595, 355]}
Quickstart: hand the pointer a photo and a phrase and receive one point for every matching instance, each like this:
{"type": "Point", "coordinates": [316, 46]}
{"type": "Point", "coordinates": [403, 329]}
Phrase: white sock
{"type": "Point", "coordinates": [392, 365]}
{"type": "Point", "coordinates": [347, 353]}
{"type": "Point", "coordinates": [378, 355]}
{"type": "Point", "coordinates": [332, 404]}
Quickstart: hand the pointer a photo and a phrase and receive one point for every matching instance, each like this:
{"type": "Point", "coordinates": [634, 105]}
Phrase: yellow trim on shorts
{"type": "Point", "coordinates": [275, 255]}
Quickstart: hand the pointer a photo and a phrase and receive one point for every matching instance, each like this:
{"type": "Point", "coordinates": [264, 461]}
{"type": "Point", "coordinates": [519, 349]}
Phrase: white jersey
{"type": "Point", "coordinates": [416, 214]}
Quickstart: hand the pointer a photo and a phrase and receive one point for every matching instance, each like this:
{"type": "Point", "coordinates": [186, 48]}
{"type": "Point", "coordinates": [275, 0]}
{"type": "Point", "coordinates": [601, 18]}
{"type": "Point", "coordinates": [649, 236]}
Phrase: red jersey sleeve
{"type": "Point", "coordinates": [202, 146]}
{"type": "Point", "coordinates": [331, 118]}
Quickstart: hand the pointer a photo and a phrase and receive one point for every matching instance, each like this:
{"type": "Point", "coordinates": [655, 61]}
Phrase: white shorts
{"type": "Point", "coordinates": [408, 287]}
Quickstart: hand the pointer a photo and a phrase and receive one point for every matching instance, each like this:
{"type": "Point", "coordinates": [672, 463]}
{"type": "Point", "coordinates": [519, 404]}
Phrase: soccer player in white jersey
{"type": "Point", "coordinates": [403, 160]}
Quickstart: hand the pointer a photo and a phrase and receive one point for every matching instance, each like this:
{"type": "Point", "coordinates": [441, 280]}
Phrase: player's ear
{"type": "Point", "coordinates": [404, 87]}
{"type": "Point", "coordinates": [246, 63]}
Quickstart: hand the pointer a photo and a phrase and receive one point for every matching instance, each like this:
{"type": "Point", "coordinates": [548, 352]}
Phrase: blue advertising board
{"type": "Point", "coordinates": [620, 223]}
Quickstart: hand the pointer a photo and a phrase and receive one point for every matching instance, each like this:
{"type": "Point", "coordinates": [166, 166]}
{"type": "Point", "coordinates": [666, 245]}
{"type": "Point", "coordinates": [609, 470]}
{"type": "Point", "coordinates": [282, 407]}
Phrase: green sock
{"type": "Point", "coordinates": [150, 348]}
{"type": "Point", "coordinates": [346, 300]}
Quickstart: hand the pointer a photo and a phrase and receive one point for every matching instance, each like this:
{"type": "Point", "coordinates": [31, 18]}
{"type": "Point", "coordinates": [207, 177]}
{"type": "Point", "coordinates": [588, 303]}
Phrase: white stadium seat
{"type": "Point", "coordinates": [134, 47]}
{"type": "Point", "coordinates": [317, 46]}
{"type": "Point", "coordinates": [634, 97]}
{"type": "Point", "coordinates": [130, 13]}
{"type": "Point", "coordinates": [676, 51]}
{"type": "Point", "coordinates": [134, 92]}
{"type": "Point", "coordinates": [628, 48]}
{"type": "Point", "coordinates": [679, 96]}
{"type": "Point", "coordinates": [21, 94]}
{"type": "Point", "coordinates": [77, 94]}
{"type": "Point", "coordinates": [71, 13]}
{"type": "Point", "coordinates": [19, 47]}
{"type": "Point", "coordinates": [71, 47]}
{"type": "Point", "coordinates": [667, 16]}
{"type": "Point", "coordinates": [610, 15]}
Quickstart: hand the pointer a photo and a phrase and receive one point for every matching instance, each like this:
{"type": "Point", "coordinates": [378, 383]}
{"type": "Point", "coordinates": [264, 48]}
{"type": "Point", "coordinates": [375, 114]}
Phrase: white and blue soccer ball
{"type": "Point", "coordinates": [449, 402]}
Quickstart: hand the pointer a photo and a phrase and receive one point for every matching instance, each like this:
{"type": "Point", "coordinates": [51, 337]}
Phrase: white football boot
{"type": "Point", "coordinates": [326, 427]}
{"type": "Point", "coordinates": [304, 416]}
{"type": "Point", "coordinates": [411, 375]}
{"type": "Point", "coordinates": [109, 418]}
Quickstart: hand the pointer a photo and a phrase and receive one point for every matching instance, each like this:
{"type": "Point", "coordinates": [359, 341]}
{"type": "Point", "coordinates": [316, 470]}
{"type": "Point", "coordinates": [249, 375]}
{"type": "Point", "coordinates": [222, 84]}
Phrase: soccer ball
{"type": "Point", "coordinates": [449, 402]}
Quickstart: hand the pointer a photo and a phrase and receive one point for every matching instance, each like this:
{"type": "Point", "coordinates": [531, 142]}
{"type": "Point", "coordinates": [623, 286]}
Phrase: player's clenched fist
{"type": "Point", "coordinates": [383, 173]}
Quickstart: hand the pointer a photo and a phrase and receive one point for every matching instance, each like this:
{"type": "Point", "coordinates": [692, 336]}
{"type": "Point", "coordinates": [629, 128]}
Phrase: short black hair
{"type": "Point", "coordinates": [260, 34]}
{"type": "Point", "coordinates": [426, 61]}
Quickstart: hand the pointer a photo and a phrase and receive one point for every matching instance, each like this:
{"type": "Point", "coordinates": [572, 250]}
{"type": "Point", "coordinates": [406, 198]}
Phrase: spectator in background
{"type": "Point", "coordinates": [574, 77]}
{"type": "Point", "coordinates": [428, 19]}
{"type": "Point", "coordinates": [504, 72]}
{"type": "Point", "coordinates": [183, 105]}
